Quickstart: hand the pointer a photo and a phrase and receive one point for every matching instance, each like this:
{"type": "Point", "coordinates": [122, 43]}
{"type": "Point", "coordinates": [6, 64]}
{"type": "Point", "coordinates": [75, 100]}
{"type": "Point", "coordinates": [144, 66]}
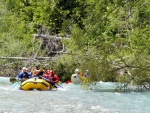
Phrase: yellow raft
{"type": "Point", "coordinates": [35, 83]}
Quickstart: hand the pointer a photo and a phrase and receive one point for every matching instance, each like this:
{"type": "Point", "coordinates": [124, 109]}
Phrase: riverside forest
{"type": "Point", "coordinates": [110, 38]}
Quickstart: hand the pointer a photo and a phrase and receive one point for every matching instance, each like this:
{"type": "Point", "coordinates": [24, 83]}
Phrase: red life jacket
{"type": "Point", "coordinates": [54, 78]}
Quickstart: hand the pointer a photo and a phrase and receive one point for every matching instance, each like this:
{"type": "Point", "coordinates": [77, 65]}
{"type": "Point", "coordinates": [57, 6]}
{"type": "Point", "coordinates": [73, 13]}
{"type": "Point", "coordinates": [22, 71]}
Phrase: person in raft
{"type": "Point", "coordinates": [78, 72]}
{"type": "Point", "coordinates": [38, 72]}
{"type": "Point", "coordinates": [23, 75]}
{"type": "Point", "coordinates": [86, 73]}
{"type": "Point", "coordinates": [53, 78]}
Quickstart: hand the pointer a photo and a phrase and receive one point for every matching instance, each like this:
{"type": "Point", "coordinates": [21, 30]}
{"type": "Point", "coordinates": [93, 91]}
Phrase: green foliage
{"type": "Point", "coordinates": [103, 34]}
{"type": "Point", "coordinates": [112, 30]}
{"type": "Point", "coordinates": [65, 67]}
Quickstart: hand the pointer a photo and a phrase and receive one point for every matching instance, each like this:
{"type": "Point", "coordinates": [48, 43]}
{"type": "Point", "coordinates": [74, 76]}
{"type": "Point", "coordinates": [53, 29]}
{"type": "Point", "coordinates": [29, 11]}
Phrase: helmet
{"type": "Point", "coordinates": [37, 65]}
{"type": "Point", "coordinates": [51, 72]}
{"type": "Point", "coordinates": [48, 72]}
{"type": "Point", "coordinates": [77, 70]}
{"type": "Point", "coordinates": [24, 68]}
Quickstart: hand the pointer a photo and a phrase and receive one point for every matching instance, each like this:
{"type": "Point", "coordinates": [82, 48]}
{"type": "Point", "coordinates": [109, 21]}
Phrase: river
{"type": "Point", "coordinates": [70, 99]}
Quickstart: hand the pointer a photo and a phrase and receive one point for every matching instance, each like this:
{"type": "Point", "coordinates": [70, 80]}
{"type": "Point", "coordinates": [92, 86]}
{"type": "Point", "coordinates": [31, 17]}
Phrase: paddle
{"type": "Point", "coordinates": [13, 79]}
{"type": "Point", "coordinates": [15, 84]}
{"type": "Point", "coordinates": [58, 85]}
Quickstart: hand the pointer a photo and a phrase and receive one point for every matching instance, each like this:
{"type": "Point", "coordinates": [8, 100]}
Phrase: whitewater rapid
{"type": "Point", "coordinates": [70, 99]}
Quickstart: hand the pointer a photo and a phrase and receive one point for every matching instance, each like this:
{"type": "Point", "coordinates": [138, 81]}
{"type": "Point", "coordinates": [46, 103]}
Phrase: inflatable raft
{"type": "Point", "coordinates": [34, 83]}
{"type": "Point", "coordinates": [77, 79]}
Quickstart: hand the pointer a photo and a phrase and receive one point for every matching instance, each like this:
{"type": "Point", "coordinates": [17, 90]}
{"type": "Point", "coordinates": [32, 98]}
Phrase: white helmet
{"type": "Point", "coordinates": [24, 68]}
{"type": "Point", "coordinates": [77, 70]}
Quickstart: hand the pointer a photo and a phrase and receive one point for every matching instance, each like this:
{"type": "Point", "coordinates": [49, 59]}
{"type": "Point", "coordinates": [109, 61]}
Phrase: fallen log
{"type": "Point", "coordinates": [37, 58]}
{"type": "Point", "coordinates": [26, 58]}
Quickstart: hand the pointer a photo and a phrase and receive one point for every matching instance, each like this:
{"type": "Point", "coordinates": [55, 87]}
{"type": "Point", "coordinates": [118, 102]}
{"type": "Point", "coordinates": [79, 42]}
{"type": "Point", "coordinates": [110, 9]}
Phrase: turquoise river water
{"type": "Point", "coordinates": [70, 99]}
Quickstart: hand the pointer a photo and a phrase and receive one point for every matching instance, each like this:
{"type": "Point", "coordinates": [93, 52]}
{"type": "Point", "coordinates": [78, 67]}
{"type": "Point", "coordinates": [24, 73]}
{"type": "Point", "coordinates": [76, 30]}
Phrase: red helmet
{"type": "Point", "coordinates": [48, 72]}
{"type": "Point", "coordinates": [51, 72]}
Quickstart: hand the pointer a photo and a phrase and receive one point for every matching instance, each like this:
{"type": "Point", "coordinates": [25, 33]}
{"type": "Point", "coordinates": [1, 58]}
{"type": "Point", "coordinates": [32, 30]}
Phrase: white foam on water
{"type": "Point", "coordinates": [5, 80]}
{"type": "Point", "coordinates": [71, 99]}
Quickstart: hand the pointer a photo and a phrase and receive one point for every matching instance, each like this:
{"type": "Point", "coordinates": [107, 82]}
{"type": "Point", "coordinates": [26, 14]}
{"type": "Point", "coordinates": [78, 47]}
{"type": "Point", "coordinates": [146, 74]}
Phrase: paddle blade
{"type": "Point", "coordinates": [15, 84]}
{"type": "Point", "coordinates": [13, 79]}
{"type": "Point", "coordinates": [58, 85]}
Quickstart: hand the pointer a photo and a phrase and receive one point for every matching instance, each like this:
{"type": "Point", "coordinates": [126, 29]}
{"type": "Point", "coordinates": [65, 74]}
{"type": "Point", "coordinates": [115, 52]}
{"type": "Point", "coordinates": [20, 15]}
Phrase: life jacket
{"type": "Point", "coordinates": [25, 75]}
{"type": "Point", "coordinates": [79, 73]}
{"type": "Point", "coordinates": [47, 74]}
{"type": "Point", "coordinates": [37, 72]}
{"type": "Point", "coordinates": [54, 78]}
{"type": "Point", "coordinates": [85, 74]}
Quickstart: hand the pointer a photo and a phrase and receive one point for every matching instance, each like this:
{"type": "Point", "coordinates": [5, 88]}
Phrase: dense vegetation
{"type": "Point", "coordinates": [108, 37]}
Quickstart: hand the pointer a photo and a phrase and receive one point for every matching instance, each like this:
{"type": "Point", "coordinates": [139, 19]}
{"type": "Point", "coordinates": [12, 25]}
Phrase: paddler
{"type": "Point", "coordinates": [38, 72]}
{"type": "Point", "coordinates": [78, 72]}
{"type": "Point", "coordinates": [53, 78]}
{"type": "Point", "coordinates": [23, 75]}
